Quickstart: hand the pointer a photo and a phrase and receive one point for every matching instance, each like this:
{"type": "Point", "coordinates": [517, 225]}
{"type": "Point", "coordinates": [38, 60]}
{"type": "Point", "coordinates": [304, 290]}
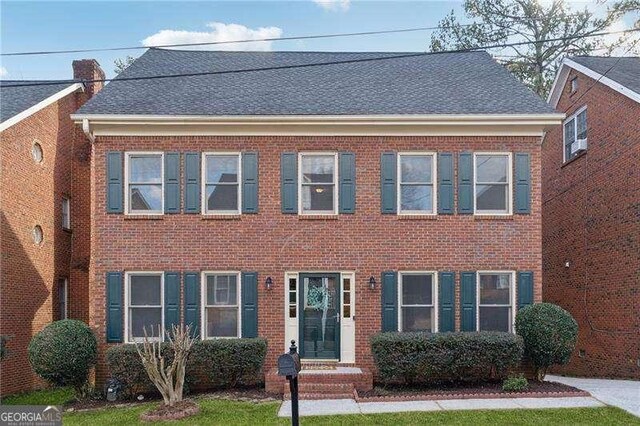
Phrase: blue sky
{"type": "Point", "coordinates": [52, 25]}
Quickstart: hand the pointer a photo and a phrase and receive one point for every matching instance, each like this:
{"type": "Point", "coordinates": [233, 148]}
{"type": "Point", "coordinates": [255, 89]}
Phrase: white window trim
{"type": "Point", "coordinates": [336, 186]}
{"type": "Point", "coordinates": [203, 189]}
{"type": "Point", "coordinates": [434, 283]}
{"type": "Point", "coordinates": [127, 291]}
{"type": "Point", "coordinates": [66, 224]}
{"type": "Point", "coordinates": [203, 303]}
{"type": "Point", "coordinates": [574, 117]}
{"type": "Point", "coordinates": [126, 183]}
{"type": "Point", "coordinates": [509, 210]}
{"type": "Point", "coordinates": [65, 280]}
{"type": "Point", "coordinates": [512, 289]}
{"type": "Point", "coordinates": [434, 183]}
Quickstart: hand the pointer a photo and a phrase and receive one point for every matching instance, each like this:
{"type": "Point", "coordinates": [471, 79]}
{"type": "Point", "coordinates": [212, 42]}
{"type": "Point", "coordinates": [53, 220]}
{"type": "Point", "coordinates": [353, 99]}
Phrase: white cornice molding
{"type": "Point", "coordinates": [40, 105]}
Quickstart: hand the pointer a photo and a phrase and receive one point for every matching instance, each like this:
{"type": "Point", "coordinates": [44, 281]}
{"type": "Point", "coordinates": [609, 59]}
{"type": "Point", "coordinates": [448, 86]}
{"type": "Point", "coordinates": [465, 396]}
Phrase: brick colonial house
{"type": "Point", "coordinates": [591, 212]}
{"type": "Point", "coordinates": [44, 190]}
{"type": "Point", "coordinates": [321, 197]}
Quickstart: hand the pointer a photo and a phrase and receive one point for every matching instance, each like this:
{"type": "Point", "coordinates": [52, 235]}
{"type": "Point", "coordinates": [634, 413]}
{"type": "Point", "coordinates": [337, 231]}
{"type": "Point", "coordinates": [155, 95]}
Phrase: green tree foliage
{"type": "Point", "coordinates": [122, 63]}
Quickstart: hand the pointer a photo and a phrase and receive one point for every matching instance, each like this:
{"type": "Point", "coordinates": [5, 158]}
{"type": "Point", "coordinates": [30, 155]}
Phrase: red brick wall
{"type": "Point", "coordinates": [271, 242]}
{"type": "Point", "coordinates": [591, 218]}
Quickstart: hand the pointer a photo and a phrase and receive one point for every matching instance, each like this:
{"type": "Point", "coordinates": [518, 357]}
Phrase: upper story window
{"type": "Point", "coordinates": [492, 183]}
{"type": "Point", "coordinates": [317, 190]}
{"type": "Point", "coordinates": [144, 305]}
{"type": "Point", "coordinates": [574, 84]}
{"type": "Point", "coordinates": [416, 192]}
{"type": "Point", "coordinates": [575, 134]}
{"type": "Point", "coordinates": [495, 301]}
{"type": "Point", "coordinates": [144, 183]}
{"type": "Point", "coordinates": [66, 213]}
{"type": "Point", "coordinates": [417, 301]}
{"type": "Point", "coordinates": [221, 297]}
{"type": "Point", "coordinates": [221, 182]}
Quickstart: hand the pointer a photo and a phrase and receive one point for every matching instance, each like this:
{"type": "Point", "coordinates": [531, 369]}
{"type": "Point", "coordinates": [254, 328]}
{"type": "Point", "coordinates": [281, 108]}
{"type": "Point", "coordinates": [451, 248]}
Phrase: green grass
{"type": "Point", "coordinates": [56, 396]}
{"type": "Point", "coordinates": [244, 413]}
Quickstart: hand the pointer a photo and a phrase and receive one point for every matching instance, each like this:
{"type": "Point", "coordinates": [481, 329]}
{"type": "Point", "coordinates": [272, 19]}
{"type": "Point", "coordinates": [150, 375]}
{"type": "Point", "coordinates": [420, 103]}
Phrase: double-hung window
{"type": "Point", "coordinates": [318, 192]}
{"type": "Point", "coordinates": [575, 134]}
{"type": "Point", "coordinates": [66, 213]}
{"type": "Point", "coordinates": [221, 182]}
{"type": "Point", "coordinates": [221, 299]}
{"type": "Point", "coordinates": [418, 293]}
{"type": "Point", "coordinates": [495, 301]}
{"type": "Point", "coordinates": [144, 298]}
{"type": "Point", "coordinates": [63, 298]}
{"type": "Point", "coordinates": [145, 185]}
{"type": "Point", "coordinates": [416, 192]}
{"type": "Point", "coordinates": [492, 183]}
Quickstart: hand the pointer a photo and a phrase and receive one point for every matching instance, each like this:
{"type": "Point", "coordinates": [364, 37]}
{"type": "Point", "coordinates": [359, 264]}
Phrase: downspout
{"type": "Point", "coordinates": [87, 131]}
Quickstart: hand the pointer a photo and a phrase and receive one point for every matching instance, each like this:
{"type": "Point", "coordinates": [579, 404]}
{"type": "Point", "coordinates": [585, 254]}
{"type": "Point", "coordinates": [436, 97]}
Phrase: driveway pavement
{"type": "Point", "coordinates": [619, 393]}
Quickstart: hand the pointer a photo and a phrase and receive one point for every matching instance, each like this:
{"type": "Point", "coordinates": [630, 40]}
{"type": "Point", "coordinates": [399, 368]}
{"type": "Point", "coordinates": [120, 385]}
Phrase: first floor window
{"type": "Point", "coordinates": [318, 177]}
{"type": "Point", "coordinates": [495, 308]}
{"type": "Point", "coordinates": [575, 128]}
{"type": "Point", "coordinates": [417, 307]}
{"type": "Point", "coordinates": [221, 183]}
{"type": "Point", "coordinates": [63, 296]}
{"type": "Point", "coordinates": [221, 305]}
{"type": "Point", "coordinates": [144, 183]}
{"type": "Point", "coordinates": [492, 183]}
{"type": "Point", "coordinates": [66, 213]}
{"type": "Point", "coordinates": [144, 305]}
{"type": "Point", "coordinates": [416, 193]}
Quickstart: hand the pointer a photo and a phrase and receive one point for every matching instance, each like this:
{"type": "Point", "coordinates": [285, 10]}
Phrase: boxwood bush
{"type": "Point", "coordinates": [212, 364]}
{"type": "Point", "coordinates": [549, 334]}
{"type": "Point", "coordinates": [63, 353]}
{"type": "Point", "coordinates": [418, 358]}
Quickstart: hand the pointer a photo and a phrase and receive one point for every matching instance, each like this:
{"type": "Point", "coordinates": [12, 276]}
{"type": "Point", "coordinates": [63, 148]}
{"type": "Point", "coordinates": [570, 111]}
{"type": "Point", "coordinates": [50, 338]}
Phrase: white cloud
{"type": "Point", "coordinates": [3, 72]}
{"type": "Point", "coordinates": [219, 32]}
{"type": "Point", "coordinates": [334, 5]}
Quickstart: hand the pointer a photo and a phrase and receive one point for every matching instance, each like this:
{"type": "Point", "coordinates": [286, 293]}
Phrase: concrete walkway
{"type": "Point", "coordinates": [350, 406]}
{"type": "Point", "coordinates": [619, 393]}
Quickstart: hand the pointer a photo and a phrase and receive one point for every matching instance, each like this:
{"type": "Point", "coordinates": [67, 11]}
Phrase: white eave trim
{"type": "Point", "coordinates": [337, 125]}
{"type": "Point", "coordinates": [40, 105]}
{"type": "Point", "coordinates": [563, 74]}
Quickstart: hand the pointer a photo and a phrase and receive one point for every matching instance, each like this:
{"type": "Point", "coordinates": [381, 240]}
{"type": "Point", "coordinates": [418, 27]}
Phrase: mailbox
{"type": "Point", "coordinates": [289, 364]}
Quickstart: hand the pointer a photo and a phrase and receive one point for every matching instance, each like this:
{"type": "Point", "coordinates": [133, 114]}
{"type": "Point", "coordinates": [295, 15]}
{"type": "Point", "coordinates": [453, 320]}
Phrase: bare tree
{"type": "Point", "coordinates": [168, 377]}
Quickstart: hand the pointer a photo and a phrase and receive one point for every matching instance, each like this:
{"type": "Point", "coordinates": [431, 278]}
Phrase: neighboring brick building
{"type": "Point", "coordinates": [591, 212]}
{"type": "Point", "coordinates": [298, 203]}
{"type": "Point", "coordinates": [44, 190]}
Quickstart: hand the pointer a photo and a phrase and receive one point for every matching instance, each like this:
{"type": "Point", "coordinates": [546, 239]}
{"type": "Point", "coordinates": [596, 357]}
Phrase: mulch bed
{"type": "Point", "coordinates": [179, 411]}
{"type": "Point", "coordinates": [484, 390]}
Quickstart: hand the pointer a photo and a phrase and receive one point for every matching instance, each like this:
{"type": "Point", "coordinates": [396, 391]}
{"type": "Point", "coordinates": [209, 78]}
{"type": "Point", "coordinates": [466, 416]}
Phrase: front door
{"type": "Point", "coordinates": [320, 316]}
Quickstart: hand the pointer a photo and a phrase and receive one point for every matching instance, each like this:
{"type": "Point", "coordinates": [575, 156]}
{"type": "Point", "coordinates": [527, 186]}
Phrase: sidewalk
{"type": "Point", "coordinates": [624, 394]}
{"type": "Point", "coordinates": [350, 406]}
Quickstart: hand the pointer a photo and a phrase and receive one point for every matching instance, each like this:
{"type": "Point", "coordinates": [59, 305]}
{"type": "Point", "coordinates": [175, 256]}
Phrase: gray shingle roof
{"type": "Point", "coordinates": [461, 83]}
{"type": "Point", "coordinates": [14, 100]}
{"type": "Point", "coordinates": [626, 70]}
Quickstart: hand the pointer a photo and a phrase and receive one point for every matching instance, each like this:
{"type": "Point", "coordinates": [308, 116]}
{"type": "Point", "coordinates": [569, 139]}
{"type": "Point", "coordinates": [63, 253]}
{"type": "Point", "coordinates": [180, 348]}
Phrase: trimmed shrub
{"type": "Point", "coordinates": [417, 358]}
{"type": "Point", "coordinates": [515, 384]}
{"type": "Point", "coordinates": [549, 334]}
{"type": "Point", "coordinates": [63, 353]}
{"type": "Point", "coordinates": [212, 364]}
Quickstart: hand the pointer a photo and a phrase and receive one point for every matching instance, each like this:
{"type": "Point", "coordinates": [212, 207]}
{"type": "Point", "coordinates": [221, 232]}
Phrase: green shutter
{"type": "Point", "coordinates": [445, 183]}
{"type": "Point", "coordinates": [114, 307]}
{"type": "Point", "coordinates": [172, 182]}
{"type": "Point", "coordinates": [114, 182]}
{"type": "Point", "coordinates": [250, 182]}
{"type": "Point", "coordinates": [525, 288]}
{"type": "Point", "coordinates": [388, 188]}
{"type": "Point", "coordinates": [347, 176]}
{"type": "Point", "coordinates": [289, 182]}
{"type": "Point", "coordinates": [468, 301]}
{"type": "Point", "coordinates": [446, 294]}
{"type": "Point", "coordinates": [192, 182]}
{"type": "Point", "coordinates": [192, 301]}
{"type": "Point", "coordinates": [465, 183]}
{"type": "Point", "coordinates": [523, 183]}
{"type": "Point", "coordinates": [249, 304]}
{"type": "Point", "coordinates": [171, 300]}
{"type": "Point", "coordinates": [389, 301]}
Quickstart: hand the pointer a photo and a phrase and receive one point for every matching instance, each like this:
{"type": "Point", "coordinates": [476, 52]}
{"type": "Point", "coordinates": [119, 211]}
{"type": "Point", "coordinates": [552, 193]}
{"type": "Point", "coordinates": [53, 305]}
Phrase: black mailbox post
{"type": "Point", "coordinates": [289, 366]}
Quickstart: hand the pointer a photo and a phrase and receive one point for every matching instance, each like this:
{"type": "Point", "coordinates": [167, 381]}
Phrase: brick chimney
{"type": "Point", "coordinates": [87, 70]}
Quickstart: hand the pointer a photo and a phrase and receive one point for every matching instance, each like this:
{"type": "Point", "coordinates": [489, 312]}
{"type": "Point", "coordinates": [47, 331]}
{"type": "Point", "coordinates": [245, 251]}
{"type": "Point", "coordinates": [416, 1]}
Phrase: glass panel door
{"type": "Point", "coordinates": [320, 316]}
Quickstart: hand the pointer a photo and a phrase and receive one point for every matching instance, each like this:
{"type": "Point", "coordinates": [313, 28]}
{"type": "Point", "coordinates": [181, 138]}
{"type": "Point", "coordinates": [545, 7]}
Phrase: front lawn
{"type": "Point", "coordinates": [55, 396]}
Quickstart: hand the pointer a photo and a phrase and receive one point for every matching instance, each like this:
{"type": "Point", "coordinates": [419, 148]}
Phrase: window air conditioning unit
{"type": "Point", "coordinates": [579, 145]}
